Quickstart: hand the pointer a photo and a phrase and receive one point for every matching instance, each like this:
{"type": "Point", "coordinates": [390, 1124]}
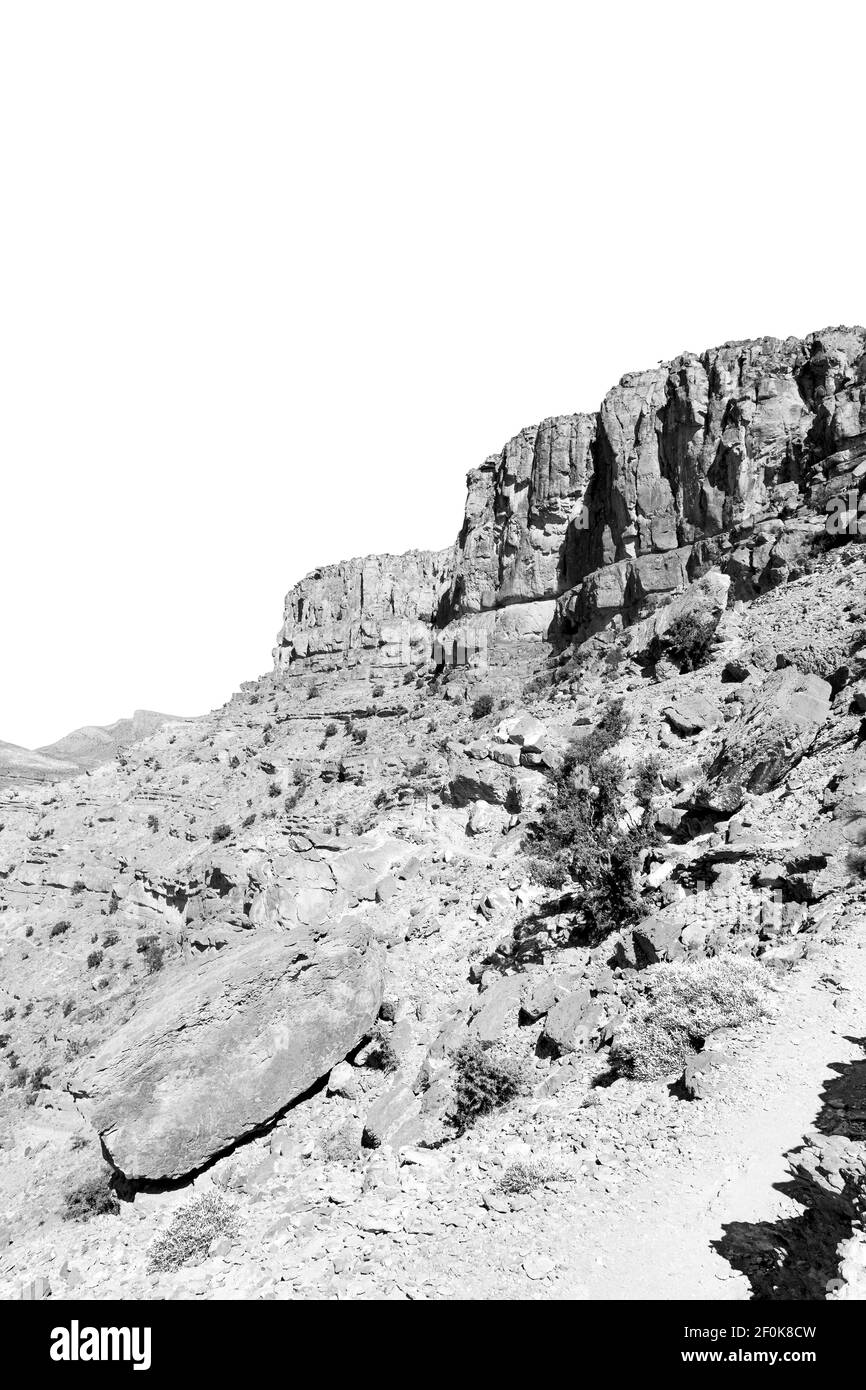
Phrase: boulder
{"type": "Point", "coordinates": [499, 1008]}
{"type": "Point", "coordinates": [658, 938]}
{"type": "Point", "coordinates": [572, 1023]}
{"type": "Point", "coordinates": [691, 714]}
{"type": "Point", "coordinates": [776, 729]}
{"type": "Point", "coordinates": [215, 1049]}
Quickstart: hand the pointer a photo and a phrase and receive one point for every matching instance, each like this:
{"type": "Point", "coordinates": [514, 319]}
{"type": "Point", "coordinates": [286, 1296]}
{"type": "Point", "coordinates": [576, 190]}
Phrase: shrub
{"type": "Point", "coordinates": [110, 939]}
{"type": "Point", "coordinates": [486, 1078]}
{"type": "Point", "coordinates": [248, 820]}
{"type": "Point", "coordinates": [60, 927]}
{"type": "Point", "coordinates": [153, 952]}
{"type": "Point", "coordinates": [314, 690]}
{"type": "Point", "coordinates": [153, 823]}
{"type": "Point", "coordinates": [513, 799]}
{"type": "Point", "coordinates": [274, 789]}
{"type": "Point", "coordinates": [191, 1231]}
{"type": "Point", "coordinates": [221, 832]}
{"type": "Point", "coordinates": [234, 761]}
{"type": "Point", "coordinates": [4, 1040]}
{"type": "Point", "coordinates": [683, 1006]}
{"type": "Point", "coordinates": [359, 736]}
{"type": "Point", "coordinates": [378, 692]}
{"type": "Point", "coordinates": [330, 729]}
{"type": "Point", "coordinates": [408, 677]}
{"type": "Point", "coordinates": [688, 640]}
{"type": "Point", "coordinates": [522, 1176]}
{"type": "Point", "coordinates": [382, 1056]}
{"type": "Point", "coordinates": [579, 839]}
{"type": "Point", "coordinates": [94, 960]}
{"type": "Point", "coordinates": [8, 1013]}
{"type": "Point", "coordinates": [648, 780]}
{"type": "Point", "coordinates": [94, 1197]}
{"type": "Point", "coordinates": [341, 1144]}
{"type": "Point", "coordinates": [482, 705]}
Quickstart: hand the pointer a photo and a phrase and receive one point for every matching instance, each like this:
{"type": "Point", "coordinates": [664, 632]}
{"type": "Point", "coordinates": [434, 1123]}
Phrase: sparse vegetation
{"type": "Point", "coordinates": [60, 927]}
{"type": "Point", "coordinates": [683, 1006]}
{"type": "Point", "coordinates": [514, 799]}
{"type": "Point", "coordinates": [153, 822]}
{"type": "Point", "coordinates": [154, 954]}
{"type": "Point", "coordinates": [341, 1144]}
{"type": "Point", "coordinates": [248, 820]}
{"type": "Point", "coordinates": [94, 1197]}
{"type": "Point", "coordinates": [486, 1078]}
{"type": "Point", "coordinates": [525, 1176]}
{"type": "Point", "coordinates": [687, 640]}
{"type": "Point", "coordinates": [382, 1056]}
{"type": "Point", "coordinates": [330, 729]}
{"type": "Point", "coordinates": [378, 692]}
{"type": "Point", "coordinates": [314, 690]}
{"type": "Point", "coordinates": [94, 960]}
{"type": "Point", "coordinates": [648, 779]}
{"type": "Point", "coordinates": [191, 1232]}
{"type": "Point", "coordinates": [582, 841]}
{"type": "Point", "coordinates": [482, 705]}
{"type": "Point", "coordinates": [221, 832]}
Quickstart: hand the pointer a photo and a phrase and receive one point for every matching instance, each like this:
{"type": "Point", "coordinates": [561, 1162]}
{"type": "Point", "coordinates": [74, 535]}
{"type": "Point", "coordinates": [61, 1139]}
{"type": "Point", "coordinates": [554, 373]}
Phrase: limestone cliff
{"type": "Point", "coordinates": [718, 458]}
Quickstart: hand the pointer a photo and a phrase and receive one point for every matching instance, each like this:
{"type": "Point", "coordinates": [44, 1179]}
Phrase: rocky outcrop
{"type": "Point", "coordinates": [721, 459]}
{"type": "Point", "coordinates": [218, 1049]}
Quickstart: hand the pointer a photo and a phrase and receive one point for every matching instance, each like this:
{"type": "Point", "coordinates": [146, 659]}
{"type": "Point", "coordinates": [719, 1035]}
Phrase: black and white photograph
{"type": "Point", "coordinates": [432, 672]}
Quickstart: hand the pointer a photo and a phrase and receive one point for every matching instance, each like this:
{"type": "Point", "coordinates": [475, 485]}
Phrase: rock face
{"type": "Point", "coordinates": [210, 1056]}
{"type": "Point", "coordinates": [715, 459]}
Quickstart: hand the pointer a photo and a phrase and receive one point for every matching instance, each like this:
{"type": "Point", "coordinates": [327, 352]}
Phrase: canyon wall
{"type": "Point", "coordinates": [721, 458]}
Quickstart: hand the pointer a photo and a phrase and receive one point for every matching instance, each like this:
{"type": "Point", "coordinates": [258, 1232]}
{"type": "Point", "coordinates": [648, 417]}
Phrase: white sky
{"type": "Point", "coordinates": [273, 276]}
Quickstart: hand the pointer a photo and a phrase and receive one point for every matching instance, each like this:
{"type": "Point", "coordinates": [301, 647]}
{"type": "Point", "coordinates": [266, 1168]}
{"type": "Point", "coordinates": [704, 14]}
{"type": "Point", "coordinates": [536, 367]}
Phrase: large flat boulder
{"type": "Point", "coordinates": [216, 1049]}
{"type": "Point", "coordinates": [774, 732]}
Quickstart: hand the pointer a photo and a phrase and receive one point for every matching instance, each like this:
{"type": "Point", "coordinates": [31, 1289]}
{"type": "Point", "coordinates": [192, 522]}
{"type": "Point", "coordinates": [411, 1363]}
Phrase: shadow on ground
{"type": "Point", "coordinates": [795, 1257]}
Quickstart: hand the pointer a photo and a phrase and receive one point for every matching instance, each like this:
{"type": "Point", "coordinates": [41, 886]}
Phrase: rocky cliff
{"type": "Point", "coordinates": [723, 458]}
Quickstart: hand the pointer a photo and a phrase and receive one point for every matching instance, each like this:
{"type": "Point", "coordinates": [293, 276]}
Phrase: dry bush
{"type": "Point", "coordinates": [683, 1006]}
{"type": "Point", "coordinates": [191, 1231]}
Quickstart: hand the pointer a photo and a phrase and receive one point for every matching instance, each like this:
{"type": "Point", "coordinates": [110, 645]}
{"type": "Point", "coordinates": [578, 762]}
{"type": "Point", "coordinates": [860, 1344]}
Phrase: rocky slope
{"type": "Point", "coordinates": [245, 958]}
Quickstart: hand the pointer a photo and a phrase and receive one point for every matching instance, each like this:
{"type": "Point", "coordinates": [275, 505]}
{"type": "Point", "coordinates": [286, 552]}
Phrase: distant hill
{"type": "Point", "coordinates": [79, 751]}
{"type": "Point", "coordinates": [23, 765]}
{"type": "Point", "coordinates": [99, 743]}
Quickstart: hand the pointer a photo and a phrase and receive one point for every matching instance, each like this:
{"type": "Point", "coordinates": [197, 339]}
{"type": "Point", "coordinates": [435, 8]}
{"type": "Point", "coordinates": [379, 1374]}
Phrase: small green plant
{"type": "Point", "coordinates": [341, 1144]}
{"type": "Point", "coordinates": [485, 1079]}
{"type": "Point", "coordinates": [688, 640]}
{"type": "Point", "coordinates": [191, 1231]}
{"type": "Point", "coordinates": [482, 705]}
{"type": "Point", "coordinates": [94, 1197]}
{"type": "Point", "coordinates": [525, 1176]}
{"type": "Point", "coordinates": [580, 841]}
{"type": "Point", "coordinates": [382, 1056]}
{"type": "Point", "coordinates": [153, 953]}
{"type": "Point", "coordinates": [60, 927]}
{"type": "Point", "coordinates": [683, 1006]}
{"type": "Point", "coordinates": [648, 779]}
{"type": "Point", "coordinates": [221, 832]}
